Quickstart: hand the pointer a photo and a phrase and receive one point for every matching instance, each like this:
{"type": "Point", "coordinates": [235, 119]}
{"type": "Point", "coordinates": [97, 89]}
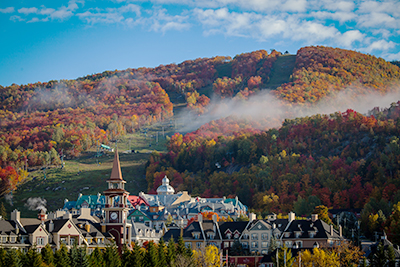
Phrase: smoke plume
{"type": "Point", "coordinates": [36, 203]}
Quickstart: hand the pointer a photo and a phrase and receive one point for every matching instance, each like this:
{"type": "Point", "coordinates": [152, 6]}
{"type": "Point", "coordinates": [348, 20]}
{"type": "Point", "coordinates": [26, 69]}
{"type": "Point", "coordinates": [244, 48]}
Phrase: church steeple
{"type": "Point", "coordinates": [116, 206]}
{"type": "Point", "coordinates": [116, 169]}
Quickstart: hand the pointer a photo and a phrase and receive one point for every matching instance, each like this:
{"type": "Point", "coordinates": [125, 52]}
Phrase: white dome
{"type": "Point", "coordinates": [165, 188]}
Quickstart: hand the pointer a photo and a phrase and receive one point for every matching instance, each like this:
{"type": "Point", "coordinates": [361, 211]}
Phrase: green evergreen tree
{"type": "Point", "coordinates": [78, 257]}
{"type": "Point", "coordinates": [391, 256]}
{"type": "Point", "coordinates": [32, 258]}
{"type": "Point", "coordinates": [162, 258]}
{"type": "Point", "coordinates": [379, 258]}
{"type": "Point", "coordinates": [151, 257]}
{"type": "Point", "coordinates": [2, 256]}
{"type": "Point", "coordinates": [171, 252]}
{"type": "Point", "coordinates": [96, 258]}
{"type": "Point", "coordinates": [111, 257]}
{"type": "Point", "coordinates": [48, 255]}
{"type": "Point", "coordinates": [125, 257]}
{"type": "Point", "coordinates": [136, 257]}
{"type": "Point", "coordinates": [61, 257]}
{"type": "Point", "coordinates": [3, 211]}
{"type": "Point", "coordinates": [236, 249]}
{"type": "Point", "coordinates": [13, 258]}
{"type": "Point", "coordinates": [180, 248]}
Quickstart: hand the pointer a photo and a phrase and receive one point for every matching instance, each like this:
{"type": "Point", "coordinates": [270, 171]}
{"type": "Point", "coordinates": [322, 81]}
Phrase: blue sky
{"type": "Point", "coordinates": [53, 40]}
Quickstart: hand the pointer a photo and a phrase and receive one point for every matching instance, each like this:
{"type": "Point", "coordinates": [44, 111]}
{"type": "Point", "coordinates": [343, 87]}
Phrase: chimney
{"type": "Point", "coordinates": [103, 228]}
{"type": "Point", "coordinates": [314, 217]}
{"type": "Point", "coordinates": [85, 213]}
{"type": "Point", "coordinates": [340, 230]}
{"type": "Point", "coordinates": [252, 217]}
{"type": "Point", "coordinates": [51, 226]}
{"type": "Point", "coordinates": [214, 218]}
{"type": "Point", "coordinates": [15, 215]}
{"type": "Point", "coordinates": [87, 227]}
{"type": "Point", "coordinates": [331, 229]}
{"type": "Point", "coordinates": [42, 216]}
{"type": "Point", "coordinates": [67, 215]}
{"type": "Point", "coordinates": [200, 218]}
{"type": "Point", "coordinates": [273, 226]}
{"type": "Point", "coordinates": [291, 216]}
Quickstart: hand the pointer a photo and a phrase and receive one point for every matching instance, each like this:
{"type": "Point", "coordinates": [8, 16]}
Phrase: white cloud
{"type": "Point", "coordinates": [26, 11]}
{"type": "Point", "coordinates": [33, 20]}
{"type": "Point", "coordinates": [385, 6]}
{"type": "Point", "coordinates": [160, 21]}
{"type": "Point", "coordinates": [392, 56]}
{"type": "Point", "coordinates": [342, 17]}
{"type": "Point", "coordinates": [380, 45]}
{"type": "Point", "coordinates": [16, 18]}
{"type": "Point", "coordinates": [7, 10]}
{"type": "Point", "coordinates": [111, 15]}
{"type": "Point", "coordinates": [377, 20]}
{"type": "Point", "coordinates": [348, 38]}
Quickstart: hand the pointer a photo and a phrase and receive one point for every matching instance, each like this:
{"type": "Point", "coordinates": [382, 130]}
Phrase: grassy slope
{"type": "Point", "coordinates": [281, 71]}
{"type": "Point", "coordinates": [67, 183]}
{"type": "Point", "coordinates": [84, 175]}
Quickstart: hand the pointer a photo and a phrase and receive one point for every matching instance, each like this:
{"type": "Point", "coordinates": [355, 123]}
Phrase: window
{"type": "Point", "coordinates": [13, 239]}
{"type": "Point", "coordinates": [236, 235]}
{"type": "Point", "coordinates": [4, 239]}
{"type": "Point", "coordinates": [198, 244]}
{"type": "Point", "coordinates": [228, 235]}
{"type": "Point", "coordinates": [297, 234]}
{"type": "Point", "coordinates": [141, 218]}
{"type": "Point", "coordinates": [254, 244]}
{"type": "Point", "coordinates": [298, 244]}
{"type": "Point", "coordinates": [264, 244]}
{"type": "Point", "coordinates": [312, 234]}
{"type": "Point", "coordinates": [196, 235]}
{"type": "Point", "coordinates": [264, 252]}
{"type": "Point", "coordinates": [40, 241]}
{"type": "Point", "coordinates": [254, 236]}
{"type": "Point", "coordinates": [245, 245]}
{"type": "Point", "coordinates": [63, 240]}
{"type": "Point", "coordinates": [226, 244]}
{"type": "Point", "coordinates": [264, 236]}
{"type": "Point", "coordinates": [245, 236]}
{"type": "Point", "coordinates": [210, 235]}
{"type": "Point", "coordinates": [288, 244]}
{"type": "Point", "coordinates": [188, 245]}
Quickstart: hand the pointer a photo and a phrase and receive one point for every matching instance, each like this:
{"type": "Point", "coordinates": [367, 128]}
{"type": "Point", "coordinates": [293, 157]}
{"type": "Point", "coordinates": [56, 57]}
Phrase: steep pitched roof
{"type": "Point", "coordinates": [233, 226]}
{"type": "Point", "coordinates": [116, 173]}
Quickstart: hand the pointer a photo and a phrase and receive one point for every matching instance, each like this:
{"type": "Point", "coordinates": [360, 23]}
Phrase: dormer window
{"type": "Point", "coordinates": [210, 235]}
{"type": "Point", "coordinates": [297, 234]}
{"type": "Point", "coordinates": [312, 234]}
{"type": "Point", "coordinates": [196, 235]}
{"type": "Point", "coordinates": [228, 235]}
{"type": "Point", "coordinates": [236, 235]}
{"type": "Point", "coordinates": [287, 234]}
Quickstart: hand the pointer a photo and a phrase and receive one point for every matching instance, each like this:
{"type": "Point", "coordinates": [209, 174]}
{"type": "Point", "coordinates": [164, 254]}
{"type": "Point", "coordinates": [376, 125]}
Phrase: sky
{"type": "Point", "coordinates": [53, 40]}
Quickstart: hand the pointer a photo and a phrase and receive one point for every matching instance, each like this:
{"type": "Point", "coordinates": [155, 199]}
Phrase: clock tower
{"type": "Point", "coordinates": [116, 207]}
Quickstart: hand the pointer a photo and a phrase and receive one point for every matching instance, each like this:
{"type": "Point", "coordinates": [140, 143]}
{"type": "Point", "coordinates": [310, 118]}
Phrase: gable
{"type": "Point", "coordinates": [259, 226]}
{"type": "Point", "coordinates": [69, 228]}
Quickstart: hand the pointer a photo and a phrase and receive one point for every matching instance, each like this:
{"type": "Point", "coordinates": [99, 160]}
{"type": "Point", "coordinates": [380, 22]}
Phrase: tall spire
{"type": "Point", "coordinates": [116, 169]}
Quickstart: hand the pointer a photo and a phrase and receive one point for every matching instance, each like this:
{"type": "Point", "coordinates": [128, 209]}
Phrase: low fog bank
{"type": "Point", "coordinates": [270, 111]}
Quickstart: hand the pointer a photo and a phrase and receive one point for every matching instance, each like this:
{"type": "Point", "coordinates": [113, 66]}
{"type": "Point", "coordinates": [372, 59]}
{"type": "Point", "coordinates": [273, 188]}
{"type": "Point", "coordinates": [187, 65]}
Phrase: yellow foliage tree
{"type": "Point", "coordinates": [207, 257]}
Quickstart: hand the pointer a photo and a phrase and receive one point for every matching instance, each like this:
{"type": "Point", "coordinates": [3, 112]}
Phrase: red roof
{"type": "Point", "coordinates": [136, 200]}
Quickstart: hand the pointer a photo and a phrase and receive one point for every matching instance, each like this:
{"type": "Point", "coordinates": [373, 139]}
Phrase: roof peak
{"type": "Point", "coordinates": [116, 173]}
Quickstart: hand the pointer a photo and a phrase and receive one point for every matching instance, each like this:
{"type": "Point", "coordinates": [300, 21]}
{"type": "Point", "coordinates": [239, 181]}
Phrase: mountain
{"type": "Point", "coordinates": [228, 154]}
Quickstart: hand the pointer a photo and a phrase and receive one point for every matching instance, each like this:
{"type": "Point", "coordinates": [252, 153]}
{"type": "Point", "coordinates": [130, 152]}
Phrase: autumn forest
{"type": "Point", "coordinates": [345, 159]}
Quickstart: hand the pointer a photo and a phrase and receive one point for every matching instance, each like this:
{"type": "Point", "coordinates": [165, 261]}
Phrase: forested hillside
{"type": "Point", "coordinates": [234, 155]}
